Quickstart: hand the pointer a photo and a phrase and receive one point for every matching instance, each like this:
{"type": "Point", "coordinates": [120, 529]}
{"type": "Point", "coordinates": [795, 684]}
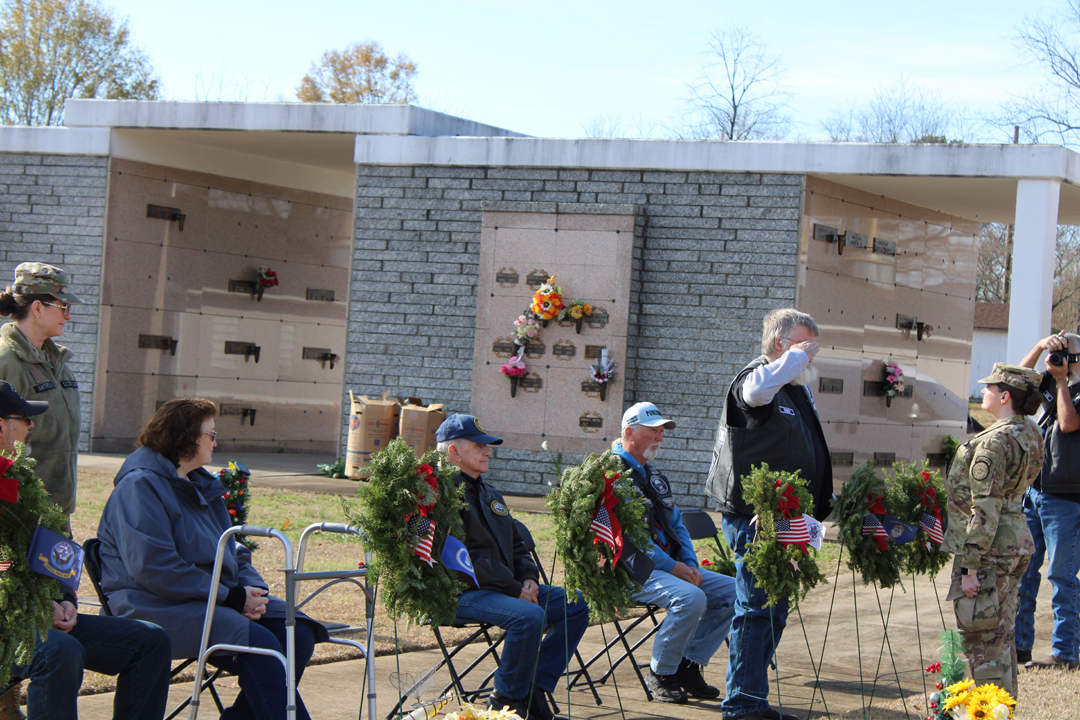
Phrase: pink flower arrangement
{"type": "Point", "coordinates": [514, 367]}
{"type": "Point", "coordinates": [526, 328]}
{"type": "Point", "coordinates": [894, 379]}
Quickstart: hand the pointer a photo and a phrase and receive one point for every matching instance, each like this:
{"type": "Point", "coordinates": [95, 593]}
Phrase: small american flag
{"type": "Point", "coordinates": [5, 566]}
{"type": "Point", "coordinates": [933, 527]}
{"type": "Point", "coordinates": [792, 530]}
{"type": "Point", "coordinates": [424, 529]}
{"type": "Point", "coordinates": [872, 526]}
{"type": "Point", "coordinates": [601, 526]}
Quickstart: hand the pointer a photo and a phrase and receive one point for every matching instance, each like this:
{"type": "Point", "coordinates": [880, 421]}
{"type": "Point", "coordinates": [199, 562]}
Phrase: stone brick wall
{"type": "Point", "coordinates": [52, 209]}
{"type": "Point", "coordinates": [719, 251]}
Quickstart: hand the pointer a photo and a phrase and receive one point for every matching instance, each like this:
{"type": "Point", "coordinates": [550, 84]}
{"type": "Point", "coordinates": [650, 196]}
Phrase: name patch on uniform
{"type": "Point", "coordinates": [69, 384]}
{"type": "Point", "coordinates": [44, 386]}
{"type": "Point", "coordinates": [498, 508]}
{"type": "Point", "coordinates": [659, 485]}
{"type": "Point", "coordinates": [980, 469]}
{"type": "Point", "coordinates": [1048, 395]}
{"type": "Point", "coordinates": [786, 410]}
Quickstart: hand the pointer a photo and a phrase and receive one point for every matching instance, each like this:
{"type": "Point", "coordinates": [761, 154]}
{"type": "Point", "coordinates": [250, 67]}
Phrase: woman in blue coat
{"type": "Point", "coordinates": [159, 534]}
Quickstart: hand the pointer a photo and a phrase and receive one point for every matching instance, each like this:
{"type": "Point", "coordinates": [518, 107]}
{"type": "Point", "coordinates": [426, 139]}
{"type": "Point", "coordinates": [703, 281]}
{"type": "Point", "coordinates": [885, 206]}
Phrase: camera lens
{"type": "Point", "coordinates": [1057, 358]}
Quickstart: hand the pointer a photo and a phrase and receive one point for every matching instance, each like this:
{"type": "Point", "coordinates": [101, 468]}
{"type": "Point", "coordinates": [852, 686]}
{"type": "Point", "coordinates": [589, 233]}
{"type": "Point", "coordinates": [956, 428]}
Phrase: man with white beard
{"type": "Point", "coordinates": [769, 416]}
{"type": "Point", "coordinates": [699, 605]}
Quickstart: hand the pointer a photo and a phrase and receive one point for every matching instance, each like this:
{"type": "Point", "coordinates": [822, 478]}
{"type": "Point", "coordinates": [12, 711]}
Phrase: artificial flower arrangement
{"type": "Point", "coordinates": [894, 381]}
{"type": "Point", "coordinates": [525, 329]}
{"type": "Point", "coordinates": [602, 373]}
{"type": "Point", "coordinates": [235, 477]}
{"type": "Point", "coordinates": [960, 699]}
{"type": "Point", "coordinates": [577, 311]}
{"type": "Point", "coordinates": [266, 278]}
{"type": "Point", "coordinates": [514, 369]}
{"type": "Point", "coordinates": [547, 301]}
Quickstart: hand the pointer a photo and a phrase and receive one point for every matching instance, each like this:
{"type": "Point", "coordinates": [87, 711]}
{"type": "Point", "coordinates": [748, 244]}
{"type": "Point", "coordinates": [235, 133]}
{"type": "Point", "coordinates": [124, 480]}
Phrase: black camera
{"type": "Point", "coordinates": [1060, 357]}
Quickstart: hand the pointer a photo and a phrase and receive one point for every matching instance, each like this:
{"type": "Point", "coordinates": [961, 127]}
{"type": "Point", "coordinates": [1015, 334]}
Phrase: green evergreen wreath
{"type": "Point", "coordinates": [235, 479]}
{"type": "Point", "coordinates": [782, 572]}
{"type": "Point", "coordinates": [609, 589]}
{"type": "Point", "coordinates": [865, 494]}
{"type": "Point", "coordinates": [395, 492]}
{"type": "Point", "coordinates": [916, 490]}
{"type": "Point", "coordinates": [26, 597]}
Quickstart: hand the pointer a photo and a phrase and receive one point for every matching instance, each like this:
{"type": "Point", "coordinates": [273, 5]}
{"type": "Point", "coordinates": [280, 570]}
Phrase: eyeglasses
{"type": "Point", "coordinates": [25, 418]}
{"type": "Point", "coordinates": [212, 434]}
{"type": "Point", "coordinates": [62, 307]}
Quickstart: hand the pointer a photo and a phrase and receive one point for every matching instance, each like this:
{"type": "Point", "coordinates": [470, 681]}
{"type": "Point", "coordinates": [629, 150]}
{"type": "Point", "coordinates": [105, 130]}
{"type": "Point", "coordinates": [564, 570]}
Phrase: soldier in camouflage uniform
{"type": "Point", "coordinates": [987, 531]}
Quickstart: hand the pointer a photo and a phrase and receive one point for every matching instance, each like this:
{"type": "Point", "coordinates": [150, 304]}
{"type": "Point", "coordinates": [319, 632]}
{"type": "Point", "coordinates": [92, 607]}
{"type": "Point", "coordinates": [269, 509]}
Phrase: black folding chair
{"type": "Point", "coordinates": [531, 545]}
{"type": "Point", "coordinates": [700, 525]}
{"type": "Point", "coordinates": [92, 563]}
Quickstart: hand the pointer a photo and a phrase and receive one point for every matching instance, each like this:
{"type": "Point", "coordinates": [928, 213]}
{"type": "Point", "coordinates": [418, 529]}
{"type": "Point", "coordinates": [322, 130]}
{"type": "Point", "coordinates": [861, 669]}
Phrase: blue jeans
{"type": "Point", "coordinates": [698, 617]}
{"type": "Point", "coordinates": [262, 677]}
{"type": "Point", "coordinates": [1055, 527]}
{"type": "Point", "coordinates": [138, 653]}
{"type": "Point", "coordinates": [755, 632]}
{"type": "Point", "coordinates": [525, 623]}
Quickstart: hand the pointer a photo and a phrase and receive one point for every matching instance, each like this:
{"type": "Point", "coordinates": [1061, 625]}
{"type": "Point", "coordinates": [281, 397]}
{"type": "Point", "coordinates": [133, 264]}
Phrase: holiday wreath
{"type": "Point", "coordinates": [916, 496]}
{"type": "Point", "coordinates": [235, 479]}
{"type": "Point", "coordinates": [26, 598]}
{"type": "Point", "coordinates": [778, 557]}
{"type": "Point", "coordinates": [590, 493]}
{"type": "Point", "coordinates": [859, 512]}
{"type": "Point", "coordinates": [407, 508]}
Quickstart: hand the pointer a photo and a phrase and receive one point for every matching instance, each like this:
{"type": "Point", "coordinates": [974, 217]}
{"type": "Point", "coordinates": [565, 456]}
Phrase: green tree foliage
{"type": "Point", "coordinates": [51, 50]}
{"type": "Point", "coordinates": [361, 73]}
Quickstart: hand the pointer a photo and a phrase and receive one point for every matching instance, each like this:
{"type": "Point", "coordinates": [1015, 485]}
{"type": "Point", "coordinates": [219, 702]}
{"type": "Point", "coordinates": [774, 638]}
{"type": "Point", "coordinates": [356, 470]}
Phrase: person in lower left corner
{"type": "Point", "coordinates": [509, 594]}
{"type": "Point", "coordinates": [700, 605]}
{"type": "Point", "coordinates": [987, 531]}
{"type": "Point", "coordinates": [138, 653]}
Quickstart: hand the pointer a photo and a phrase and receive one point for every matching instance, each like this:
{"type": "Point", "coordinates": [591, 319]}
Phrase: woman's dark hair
{"type": "Point", "coordinates": [18, 305]}
{"type": "Point", "coordinates": [1022, 401]}
{"type": "Point", "coordinates": [175, 428]}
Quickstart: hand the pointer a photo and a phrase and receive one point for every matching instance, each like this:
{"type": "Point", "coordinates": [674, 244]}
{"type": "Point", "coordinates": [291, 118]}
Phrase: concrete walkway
{"type": "Point", "coordinates": [838, 635]}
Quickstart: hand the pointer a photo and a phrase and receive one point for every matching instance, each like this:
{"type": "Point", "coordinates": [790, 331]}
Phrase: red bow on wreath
{"type": "Point", "coordinates": [871, 525]}
{"type": "Point", "coordinates": [930, 521]}
{"type": "Point", "coordinates": [605, 525]}
{"type": "Point", "coordinates": [9, 487]}
{"type": "Point", "coordinates": [791, 530]}
{"type": "Point", "coordinates": [420, 525]}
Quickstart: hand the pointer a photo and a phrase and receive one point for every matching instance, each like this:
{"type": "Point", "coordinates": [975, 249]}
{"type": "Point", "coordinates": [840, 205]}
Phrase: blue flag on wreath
{"type": "Point", "coordinates": [456, 557]}
{"type": "Point", "coordinates": [899, 531]}
{"type": "Point", "coordinates": [56, 556]}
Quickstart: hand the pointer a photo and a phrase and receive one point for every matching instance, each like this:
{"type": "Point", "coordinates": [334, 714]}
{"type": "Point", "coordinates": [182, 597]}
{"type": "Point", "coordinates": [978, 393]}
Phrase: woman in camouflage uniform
{"type": "Point", "coordinates": [987, 531]}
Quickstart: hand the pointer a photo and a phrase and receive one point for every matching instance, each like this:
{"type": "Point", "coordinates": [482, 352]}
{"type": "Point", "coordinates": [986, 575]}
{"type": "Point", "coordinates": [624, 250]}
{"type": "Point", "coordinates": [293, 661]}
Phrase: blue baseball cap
{"type": "Point", "coordinates": [464, 426]}
{"type": "Point", "coordinates": [645, 413]}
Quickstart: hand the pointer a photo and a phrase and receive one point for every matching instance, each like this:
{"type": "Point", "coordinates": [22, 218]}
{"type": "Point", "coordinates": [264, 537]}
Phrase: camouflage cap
{"type": "Point", "coordinates": [34, 278]}
{"type": "Point", "coordinates": [1021, 378]}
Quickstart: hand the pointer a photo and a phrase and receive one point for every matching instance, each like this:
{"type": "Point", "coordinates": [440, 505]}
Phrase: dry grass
{"type": "Point", "coordinates": [976, 411]}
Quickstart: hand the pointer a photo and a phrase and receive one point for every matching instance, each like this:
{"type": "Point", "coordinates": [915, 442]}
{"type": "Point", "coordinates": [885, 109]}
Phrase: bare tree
{"type": "Point", "coordinates": [605, 125]}
{"type": "Point", "coordinates": [992, 272]}
{"type": "Point", "coordinates": [740, 94]}
{"type": "Point", "coordinates": [1052, 113]}
{"type": "Point", "coordinates": [897, 113]}
{"type": "Point", "coordinates": [361, 73]}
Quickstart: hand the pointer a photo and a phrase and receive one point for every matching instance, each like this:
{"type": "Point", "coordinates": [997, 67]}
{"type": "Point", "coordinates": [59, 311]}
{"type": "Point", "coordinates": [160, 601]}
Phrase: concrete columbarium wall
{"type": "Point", "coordinates": [195, 285]}
{"type": "Point", "coordinates": [52, 209]}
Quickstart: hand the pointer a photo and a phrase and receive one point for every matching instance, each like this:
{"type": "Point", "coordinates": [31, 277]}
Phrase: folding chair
{"type": "Point", "coordinates": [293, 577]}
{"type": "Point", "coordinates": [531, 545]}
{"type": "Point", "coordinates": [700, 525]}
{"type": "Point", "coordinates": [13, 682]}
{"type": "Point", "coordinates": [92, 563]}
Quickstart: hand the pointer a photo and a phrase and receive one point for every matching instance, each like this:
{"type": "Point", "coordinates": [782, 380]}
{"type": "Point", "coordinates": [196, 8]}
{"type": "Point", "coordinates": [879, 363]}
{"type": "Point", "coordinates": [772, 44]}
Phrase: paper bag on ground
{"type": "Point", "coordinates": [373, 423]}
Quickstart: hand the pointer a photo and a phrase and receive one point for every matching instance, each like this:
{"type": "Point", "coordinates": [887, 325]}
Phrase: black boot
{"type": "Point", "coordinates": [539, 709]}
{"type": "Point", "coordinates": [689, 676]}
{"type": "Point", "coordinates": [498, 702]}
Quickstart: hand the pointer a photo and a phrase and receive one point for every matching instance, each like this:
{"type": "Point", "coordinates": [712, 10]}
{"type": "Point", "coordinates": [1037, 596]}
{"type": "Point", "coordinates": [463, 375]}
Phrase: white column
{"type": "Point", "coordinates": [1034, 244]}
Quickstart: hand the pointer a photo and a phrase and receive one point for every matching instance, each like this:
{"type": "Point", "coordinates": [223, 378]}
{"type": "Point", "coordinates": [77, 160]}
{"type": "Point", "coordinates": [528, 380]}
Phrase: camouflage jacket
{"type": "Point", "coordinates": [986, 487]}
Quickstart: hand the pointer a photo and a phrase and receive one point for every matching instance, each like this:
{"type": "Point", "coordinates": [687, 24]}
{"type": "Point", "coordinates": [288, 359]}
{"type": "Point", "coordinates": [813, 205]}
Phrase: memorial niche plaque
{"type": "Point", "coordinates": [834, 386]}
{"type": "Point", "coordinates": [157, 342]}
{"type": "Point", "coordinates": [591, 422]}
{"type": "Point", "coordinates": [843, 459]}
{"type": "Point", "coordinates": [598, 319]}
{"type": "Point", "coordinates": [590, 387]}
{"type": "Point", "coordinates": [883, 459]}
{"type": "Point", "coordinates": [535, 350]}
{"type": "Point", "coordinates": [594, 351]}
{"type": "Point", "coordinates": [531, 383]}
{"type": "Point", "coordinates": [855, 240]}
{"type": "Point", "coordinates": [243, 286]}
{"type": "Point", "coordinates": [564, 350]}
{"type": "Point", "coordinates": [507, 277]}
{"type": "Point", "coordinates": [323, 295]}
{"type": "Point", "coordinates": [884, 247]}
{"type": "Point", "coordinates": [504, 348]}
{"type": "Point", "coordinates": [537, 278]}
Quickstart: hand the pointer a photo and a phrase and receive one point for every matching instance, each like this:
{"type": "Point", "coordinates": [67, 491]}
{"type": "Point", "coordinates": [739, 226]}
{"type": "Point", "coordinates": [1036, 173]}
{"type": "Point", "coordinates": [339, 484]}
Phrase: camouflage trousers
{"type": "Point", "coordinates": [987, 621]}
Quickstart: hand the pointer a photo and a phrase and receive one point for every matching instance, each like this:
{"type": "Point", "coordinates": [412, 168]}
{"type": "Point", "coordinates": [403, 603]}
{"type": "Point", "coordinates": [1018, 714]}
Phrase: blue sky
{"type": "Point", "coordinates": [548, 68]}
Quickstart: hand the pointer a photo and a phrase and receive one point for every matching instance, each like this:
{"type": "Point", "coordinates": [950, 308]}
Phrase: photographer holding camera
{"type": "Point", "coordinates": [1052, 507]}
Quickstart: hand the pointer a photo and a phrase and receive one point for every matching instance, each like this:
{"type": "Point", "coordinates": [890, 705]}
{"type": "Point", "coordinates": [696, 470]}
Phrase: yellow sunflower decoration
{"type": "Point", "coordinates": [547, 301]}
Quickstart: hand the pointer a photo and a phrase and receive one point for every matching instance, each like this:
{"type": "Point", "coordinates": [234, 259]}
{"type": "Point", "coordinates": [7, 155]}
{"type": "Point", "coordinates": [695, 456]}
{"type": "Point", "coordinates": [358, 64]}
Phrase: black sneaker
{"type": "Point", "coordinates": [498, 702]}
{"type": "Point", "coordinates": [689, 676]}
{"type": "Point", "coordinates": [665, 688]}
{"type": "Point", "coordinates": [1023, 656]}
